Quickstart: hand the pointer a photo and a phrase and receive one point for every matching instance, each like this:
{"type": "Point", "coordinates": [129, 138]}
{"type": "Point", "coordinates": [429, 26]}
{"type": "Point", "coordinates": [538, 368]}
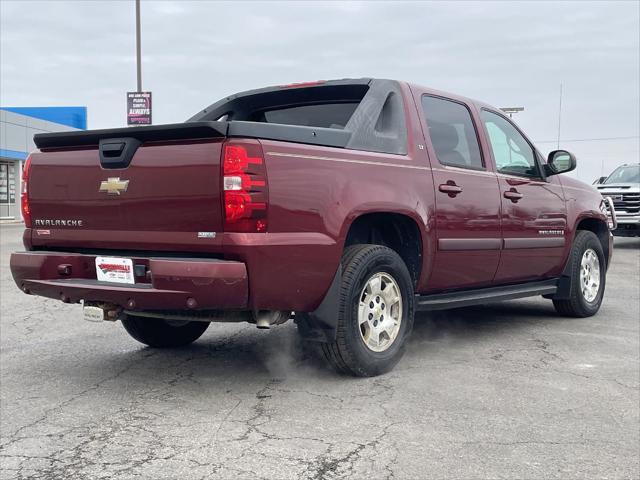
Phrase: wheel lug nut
{"type": "Point", "coordinates": [375, 323]}
{"type": "Point", "coordinates": [381, 317]}
{"type": "Point", "coordinates": [371, 305]}
{"type": "Point", "coordinates": [377, 299]}
{"type": "Point", "coordinates": [371, 316]}
{"type": "Point", "coordinates": [382, 306]}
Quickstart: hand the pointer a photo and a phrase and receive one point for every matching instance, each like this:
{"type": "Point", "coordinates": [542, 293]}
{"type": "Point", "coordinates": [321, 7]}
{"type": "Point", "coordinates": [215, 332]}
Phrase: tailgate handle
{"type": "Point", "coordinates": [112, 149]}
{"type": "Point", "coordinates": [117, 152]}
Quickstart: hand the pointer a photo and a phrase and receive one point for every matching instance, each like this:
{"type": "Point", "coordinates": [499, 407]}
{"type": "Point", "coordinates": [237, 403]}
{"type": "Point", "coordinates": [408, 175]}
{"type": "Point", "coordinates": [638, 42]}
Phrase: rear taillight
{"type": "Point", "coordinates": [24, 193]}
{"type": "Point", "coordinates": [245, 187]}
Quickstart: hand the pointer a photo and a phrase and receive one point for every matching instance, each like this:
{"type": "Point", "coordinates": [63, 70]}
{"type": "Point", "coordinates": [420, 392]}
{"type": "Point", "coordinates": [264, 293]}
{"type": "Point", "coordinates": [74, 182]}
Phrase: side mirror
{"type": "Point", "coordinates": [599, 180]}
{"type": "Point", "coordinates": [559, 161]}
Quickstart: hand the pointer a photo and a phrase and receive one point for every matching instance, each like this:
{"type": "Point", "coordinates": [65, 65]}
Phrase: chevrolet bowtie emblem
{"type": "Point", "coordinates": [113, 185]}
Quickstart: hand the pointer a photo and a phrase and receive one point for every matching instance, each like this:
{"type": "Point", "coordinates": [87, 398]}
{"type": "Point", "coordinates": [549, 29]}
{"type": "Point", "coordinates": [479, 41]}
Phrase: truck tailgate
{"type": "Point", "coordinates": [167, 198]}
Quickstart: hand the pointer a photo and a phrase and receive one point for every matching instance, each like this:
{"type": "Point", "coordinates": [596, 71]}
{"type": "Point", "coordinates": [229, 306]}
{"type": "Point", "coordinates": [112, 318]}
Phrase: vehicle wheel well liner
{"type": "Point", "coordinates": [396, 231]}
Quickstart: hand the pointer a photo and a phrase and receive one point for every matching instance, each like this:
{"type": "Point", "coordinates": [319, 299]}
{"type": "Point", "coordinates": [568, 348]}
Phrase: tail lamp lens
{"type": "Point", "coordinates": [24, 193]}
{"type": "Point", "coordinates": [245, 187]}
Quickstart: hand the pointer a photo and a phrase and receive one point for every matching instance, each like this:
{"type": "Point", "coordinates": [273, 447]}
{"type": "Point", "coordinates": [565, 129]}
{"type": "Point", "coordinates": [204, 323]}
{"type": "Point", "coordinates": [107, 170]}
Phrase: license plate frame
{"type": "Point", "coordinates": [115, 270]}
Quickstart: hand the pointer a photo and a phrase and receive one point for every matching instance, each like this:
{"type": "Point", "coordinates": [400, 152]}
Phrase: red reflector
{"type": "Point", "coordinates": [261, 225]}
{"type": "Point", "coordinates": [245, 187]}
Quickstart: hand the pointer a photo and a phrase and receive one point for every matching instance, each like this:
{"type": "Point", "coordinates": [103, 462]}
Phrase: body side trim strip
{"type": "Point", "coordinates": [469, 244]}
{"type": "Point", "coordinates": [515, 243]}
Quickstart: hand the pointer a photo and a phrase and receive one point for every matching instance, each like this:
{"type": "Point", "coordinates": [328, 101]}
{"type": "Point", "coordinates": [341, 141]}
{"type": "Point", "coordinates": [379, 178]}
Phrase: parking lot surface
{"type": "Point", "coordinates": [506, 390]}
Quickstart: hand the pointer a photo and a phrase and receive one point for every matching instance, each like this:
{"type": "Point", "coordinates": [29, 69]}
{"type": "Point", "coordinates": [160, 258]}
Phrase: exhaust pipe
{"type": "Point", "coordinates": [265, 319]}
{"type": "Point", "coordinates": [263, 323]}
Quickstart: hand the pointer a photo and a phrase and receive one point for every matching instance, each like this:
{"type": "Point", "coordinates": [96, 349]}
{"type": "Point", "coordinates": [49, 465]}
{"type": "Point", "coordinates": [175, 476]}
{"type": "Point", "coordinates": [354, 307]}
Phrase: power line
{"type": "Point", "coordinates": [591, 139]}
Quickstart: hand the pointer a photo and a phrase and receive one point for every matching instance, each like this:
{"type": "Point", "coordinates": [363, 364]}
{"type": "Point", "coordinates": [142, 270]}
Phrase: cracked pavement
{"type": "Point", "coordinates": [505, 390]}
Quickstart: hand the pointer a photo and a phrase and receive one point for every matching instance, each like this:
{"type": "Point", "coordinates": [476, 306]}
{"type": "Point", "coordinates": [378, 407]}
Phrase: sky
{"type": "Point", "coordinates": [194, 53]}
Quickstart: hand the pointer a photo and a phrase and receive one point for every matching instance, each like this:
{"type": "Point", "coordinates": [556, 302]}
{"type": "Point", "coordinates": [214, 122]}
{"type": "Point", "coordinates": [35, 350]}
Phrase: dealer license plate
{"type": "Point", "coordinates": [114, 269]}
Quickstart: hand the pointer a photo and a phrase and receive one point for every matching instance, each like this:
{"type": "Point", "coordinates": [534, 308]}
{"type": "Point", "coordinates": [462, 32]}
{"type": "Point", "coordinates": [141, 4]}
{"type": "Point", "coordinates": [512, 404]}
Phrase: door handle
{"type": "Point", "coordinates": [513, 195]}
{"type": "Point", "coordinates": [450, 188]}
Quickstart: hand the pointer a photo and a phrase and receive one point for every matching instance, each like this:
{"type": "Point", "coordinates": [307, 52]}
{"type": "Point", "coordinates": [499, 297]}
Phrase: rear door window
{"type": "Point", "coordinates": [452, 132]}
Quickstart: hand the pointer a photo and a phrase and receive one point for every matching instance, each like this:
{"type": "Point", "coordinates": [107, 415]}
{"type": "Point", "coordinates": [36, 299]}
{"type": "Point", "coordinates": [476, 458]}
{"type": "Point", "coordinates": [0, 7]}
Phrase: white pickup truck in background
{"type": "Point", "coordinates": [623, 186]}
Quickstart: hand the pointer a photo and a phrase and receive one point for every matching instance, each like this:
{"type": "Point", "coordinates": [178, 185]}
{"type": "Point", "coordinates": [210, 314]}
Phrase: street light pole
{"type": "Point", "coordinates": [138, 48]}
{"type": "Point", "coordinates": [512, 110]}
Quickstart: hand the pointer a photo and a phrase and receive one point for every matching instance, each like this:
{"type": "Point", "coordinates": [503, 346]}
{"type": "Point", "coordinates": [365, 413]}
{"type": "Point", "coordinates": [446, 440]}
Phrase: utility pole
{"type": "Point", "coordinates": [559, 116]}
{"type": "Point", "coordinates": [138, 47]}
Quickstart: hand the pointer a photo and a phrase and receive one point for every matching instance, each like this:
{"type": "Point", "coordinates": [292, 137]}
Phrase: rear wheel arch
{"type": "Point", "coordinates": [397, 231]}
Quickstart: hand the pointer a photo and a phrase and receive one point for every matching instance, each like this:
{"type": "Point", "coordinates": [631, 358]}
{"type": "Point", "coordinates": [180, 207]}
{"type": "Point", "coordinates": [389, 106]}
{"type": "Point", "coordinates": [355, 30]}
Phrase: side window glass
{"type": "Point", "coordinates": [452, 133]}
{"type": "Point", "coordinates": [512, 153]}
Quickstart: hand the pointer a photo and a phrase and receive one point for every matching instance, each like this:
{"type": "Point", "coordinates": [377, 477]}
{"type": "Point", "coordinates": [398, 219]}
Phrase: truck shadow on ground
{"type": "Point", "coordinates": [473, 323]}
{"type": "Point", "coordinates": [252, 355]}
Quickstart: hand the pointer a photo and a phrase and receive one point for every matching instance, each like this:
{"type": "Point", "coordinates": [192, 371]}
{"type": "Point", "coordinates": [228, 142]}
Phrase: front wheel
{"type": "Point", "coordinates": [375, 315]}
{"type": "Point", "coordinates": [587, 277]}
{"type": "Point", "coordinates": [160, 333]}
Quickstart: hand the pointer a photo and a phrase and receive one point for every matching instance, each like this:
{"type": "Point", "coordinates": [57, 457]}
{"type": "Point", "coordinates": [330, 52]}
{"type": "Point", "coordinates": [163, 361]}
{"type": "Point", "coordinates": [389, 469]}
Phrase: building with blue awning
{"type": "Point", "coordinates": [17, 127]}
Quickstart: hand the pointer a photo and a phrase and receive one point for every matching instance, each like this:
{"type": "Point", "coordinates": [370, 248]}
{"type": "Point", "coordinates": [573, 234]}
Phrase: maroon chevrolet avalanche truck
{"type": "Point", "coordinates": [345, 205]}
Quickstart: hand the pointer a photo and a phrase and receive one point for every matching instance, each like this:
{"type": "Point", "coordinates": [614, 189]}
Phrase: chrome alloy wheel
{"type": "Point", "coordinates": [380, 312]}
{"type": "Point", "coordinates": [590, 275]}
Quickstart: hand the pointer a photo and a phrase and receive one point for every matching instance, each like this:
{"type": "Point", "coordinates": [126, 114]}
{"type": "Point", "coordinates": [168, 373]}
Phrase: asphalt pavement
{"type": "Point", "coordinates": [505, 390]}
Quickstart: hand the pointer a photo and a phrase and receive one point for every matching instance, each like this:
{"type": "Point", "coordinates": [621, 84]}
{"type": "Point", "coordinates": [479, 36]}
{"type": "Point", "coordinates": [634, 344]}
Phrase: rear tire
{"type": "Point", "coordinates": [160, 333]}
{"type": "Point", "coordinates": [371, 275]}
{"type": "Point", "coordinates": [584, 298]}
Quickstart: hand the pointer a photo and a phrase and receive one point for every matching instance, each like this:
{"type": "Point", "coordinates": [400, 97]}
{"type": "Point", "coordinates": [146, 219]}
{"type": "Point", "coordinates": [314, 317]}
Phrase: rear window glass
{"type": "Point", "coordinates": [327, 115]}
{"type": "Point", "coordinates": [323, 106]}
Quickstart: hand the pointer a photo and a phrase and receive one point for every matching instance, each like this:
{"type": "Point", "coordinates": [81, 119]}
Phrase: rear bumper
{"type": "Point", "coordinates": [167, 283]}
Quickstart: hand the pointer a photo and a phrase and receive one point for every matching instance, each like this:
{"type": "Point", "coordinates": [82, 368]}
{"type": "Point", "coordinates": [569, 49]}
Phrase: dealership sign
{"type": "Point", "coordinates": [138, 108]}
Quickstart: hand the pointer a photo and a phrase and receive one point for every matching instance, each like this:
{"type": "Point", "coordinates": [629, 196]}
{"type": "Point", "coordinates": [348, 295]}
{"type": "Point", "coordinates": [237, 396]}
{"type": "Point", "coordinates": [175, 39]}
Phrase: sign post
{"type": "Point", "coordinates": [138, 108]}
{"type": "Point", "coordinates": [138, 102]}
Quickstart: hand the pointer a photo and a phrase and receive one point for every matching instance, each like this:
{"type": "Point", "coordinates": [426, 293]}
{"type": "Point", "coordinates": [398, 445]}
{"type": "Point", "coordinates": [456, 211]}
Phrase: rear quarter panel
{"type": "Point", "coordinates": [315, 193]}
